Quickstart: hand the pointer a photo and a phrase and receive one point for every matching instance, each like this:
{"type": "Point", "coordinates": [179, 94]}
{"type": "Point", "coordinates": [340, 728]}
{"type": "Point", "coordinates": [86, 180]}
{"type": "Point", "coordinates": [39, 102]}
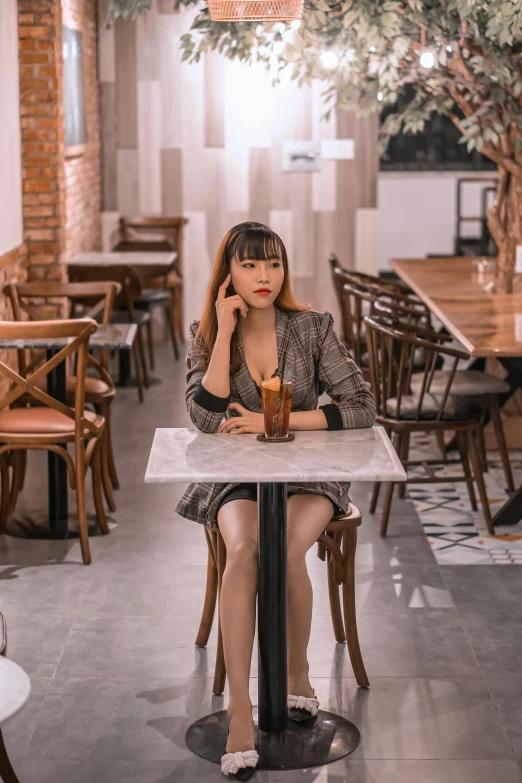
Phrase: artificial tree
{"type": "Point", "coordinates": [462, 58]}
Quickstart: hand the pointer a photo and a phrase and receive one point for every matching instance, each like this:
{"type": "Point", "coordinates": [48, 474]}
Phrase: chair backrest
{"type": "Point", "coordinates": [127, 278]}
{"type": "Point", "coordinates": [104, 292]}
{"type": "Point", "coordinates": [153, 234]}
{"type": "Point", "coordinates": [391, 353]}
{"type": "Point", "coordinates": [78, 331]}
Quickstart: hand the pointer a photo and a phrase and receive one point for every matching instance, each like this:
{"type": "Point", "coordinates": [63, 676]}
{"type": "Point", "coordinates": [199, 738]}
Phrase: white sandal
{"type": "Point", "coordinates": [231, 763]}
{"type": "Point", "coordinates": [302, 707]}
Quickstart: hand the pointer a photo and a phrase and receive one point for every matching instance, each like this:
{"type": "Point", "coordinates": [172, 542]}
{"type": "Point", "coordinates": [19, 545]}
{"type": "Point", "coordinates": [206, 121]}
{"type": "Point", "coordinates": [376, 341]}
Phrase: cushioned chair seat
{"type": "Point", "coordinates": [466, 383]}
{"type": "Point", "coordinates": [455, 408]}
{"type": "Point", "coordinates": [153, 296]}
{"type": "Point", "coordinates": [40, 421]}
{"type": "Point", "coordinates": [122, 317]}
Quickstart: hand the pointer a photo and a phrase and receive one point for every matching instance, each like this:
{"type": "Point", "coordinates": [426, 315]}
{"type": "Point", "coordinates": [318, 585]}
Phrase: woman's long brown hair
{"type": "Point", "coordinates": [246, 240]}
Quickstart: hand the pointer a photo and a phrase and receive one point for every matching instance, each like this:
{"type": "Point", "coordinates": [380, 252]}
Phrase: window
{"type": "Point", "coordinates": [73, 88]}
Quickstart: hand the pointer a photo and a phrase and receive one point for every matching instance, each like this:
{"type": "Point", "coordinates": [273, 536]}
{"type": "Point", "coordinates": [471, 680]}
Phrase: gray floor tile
{"type": "Point", "coordinates": [129, 647]}
{"type": "Point", "coordinates": [419, 718]}
{"type": "Point", "coordinates": [405, 772]}
{"type": "Point", "coordinates": [19, 730]}
{"type": "Point", "coordinates": [399, 645]}
{"type": "Point", "coordinates": [486, 590]}
{"type": "Point", "coordinates": [496, 642]}
{"type": "Point", "coordinates": [506, 692]}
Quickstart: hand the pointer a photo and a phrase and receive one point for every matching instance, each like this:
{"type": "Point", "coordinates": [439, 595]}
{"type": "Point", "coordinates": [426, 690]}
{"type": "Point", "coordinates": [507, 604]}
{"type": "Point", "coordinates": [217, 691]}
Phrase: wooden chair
{"type": "Point", "coordinates": [472, 384]}
{"type": "Point", "coordinates": [391, 351]}
{"type": "Point", "coordinates": [54, 423]}
{"type": "Point", "coordinates": [158, 234]}
{"type": "Point", "coordinates": [7, 773]}
{"type": "Point", "coordinates": [124, 311]}
{"type": "Point", "coordinates": [336, 545]}
{"type": "Point", "coordinates": [99, 392]}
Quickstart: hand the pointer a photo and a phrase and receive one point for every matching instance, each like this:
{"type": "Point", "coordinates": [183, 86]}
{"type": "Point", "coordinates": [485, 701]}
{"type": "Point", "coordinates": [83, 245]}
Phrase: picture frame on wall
{"type": "Point", "coordinates": [73, 94]}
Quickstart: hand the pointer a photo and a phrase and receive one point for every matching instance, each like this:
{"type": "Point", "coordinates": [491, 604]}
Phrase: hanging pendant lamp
{"type": "Point", "coordinates": [255, 10]}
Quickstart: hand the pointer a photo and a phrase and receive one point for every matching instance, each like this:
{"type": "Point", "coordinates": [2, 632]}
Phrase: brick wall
{"type": "Point", "coordinates": [41, 111]}
{"type": "Point", "coordinates": [61, 201]}
{"type": "Point", "coordinates": [12, 269]}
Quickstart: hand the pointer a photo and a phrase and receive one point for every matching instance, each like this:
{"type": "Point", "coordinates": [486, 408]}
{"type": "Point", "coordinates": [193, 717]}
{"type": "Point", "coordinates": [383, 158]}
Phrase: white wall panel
{"type": "Point", "coordinates": [149, 147]}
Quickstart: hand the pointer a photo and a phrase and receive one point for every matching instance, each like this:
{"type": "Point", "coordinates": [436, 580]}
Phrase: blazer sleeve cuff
{"type": "Point", "coordinates": [209, 401]}
{"type": "Point", "coordinates": [334, 420]}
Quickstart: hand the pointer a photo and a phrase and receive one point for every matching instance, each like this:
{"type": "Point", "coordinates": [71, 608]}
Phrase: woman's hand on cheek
{"type": "Point", "coordinates": [247, 421]}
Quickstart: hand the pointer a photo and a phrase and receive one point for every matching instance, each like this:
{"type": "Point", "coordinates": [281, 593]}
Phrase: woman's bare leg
{"type": "Point", "coordinates": [308, 516]}
{"type": "Point", "coordinates": [237, 522]}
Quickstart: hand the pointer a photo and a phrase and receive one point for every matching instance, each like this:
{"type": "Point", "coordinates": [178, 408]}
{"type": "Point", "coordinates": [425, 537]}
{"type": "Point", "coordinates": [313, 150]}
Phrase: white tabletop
{"type": "Point", "coordinates": [182, 455]}
{"type": "Point", "coordinates": [123, 259]}
{"type": "Point", "coordinates": [15, 687]}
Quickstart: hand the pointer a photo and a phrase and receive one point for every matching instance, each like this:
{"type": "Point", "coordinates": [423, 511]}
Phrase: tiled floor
{"type": "Point", "coordinates": [117, 678]}
{"type": "Point", "coordinates": [457, 535]}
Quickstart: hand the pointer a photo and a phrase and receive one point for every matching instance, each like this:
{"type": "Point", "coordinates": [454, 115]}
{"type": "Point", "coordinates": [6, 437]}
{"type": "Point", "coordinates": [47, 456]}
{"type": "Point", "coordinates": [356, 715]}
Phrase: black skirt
{"type": "Point", "coordinates": [249, 492]}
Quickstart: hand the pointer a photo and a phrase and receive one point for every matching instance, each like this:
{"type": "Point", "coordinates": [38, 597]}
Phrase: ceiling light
{"type": "Point", "coordinates": [260, 29]}
{"type": "Point", "coordinates": [329, 59]}
{"type": "Point", "coordinates": [427, 60]}
{"type": "Point", "coordinates": [448, 48]}
{"type": "Point", "coordinates": [372, 49]}
{"type": "Point", "coordinates": [379, 96]}
{"type": "Point", "coordinates": [296, 25]}
{"type": "Point", "coordinates": [278, 47]}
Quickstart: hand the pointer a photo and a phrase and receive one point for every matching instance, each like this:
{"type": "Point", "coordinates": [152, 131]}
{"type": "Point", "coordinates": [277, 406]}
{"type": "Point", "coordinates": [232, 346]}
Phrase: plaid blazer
{"type": "Point", "coordinates": [319, 362]}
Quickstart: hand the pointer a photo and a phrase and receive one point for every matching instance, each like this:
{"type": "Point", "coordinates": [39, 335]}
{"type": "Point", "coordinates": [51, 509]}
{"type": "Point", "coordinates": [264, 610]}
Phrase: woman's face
{"type": "Point", "coordinates": [257, 282]}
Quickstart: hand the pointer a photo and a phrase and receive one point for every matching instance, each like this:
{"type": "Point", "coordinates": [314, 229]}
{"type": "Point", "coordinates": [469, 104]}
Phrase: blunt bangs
{"type": "Point", "coordinates": [255, 241]}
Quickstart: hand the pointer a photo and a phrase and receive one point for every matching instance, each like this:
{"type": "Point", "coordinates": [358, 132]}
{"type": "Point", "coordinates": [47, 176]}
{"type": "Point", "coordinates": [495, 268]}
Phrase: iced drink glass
{"type": "Point", "coordinates": [277, 403]}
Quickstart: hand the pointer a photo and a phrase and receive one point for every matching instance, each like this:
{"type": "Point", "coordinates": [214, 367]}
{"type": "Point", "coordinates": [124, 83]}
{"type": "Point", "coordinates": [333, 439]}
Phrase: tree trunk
{"type": "Point", "coordinates": [505, 224]}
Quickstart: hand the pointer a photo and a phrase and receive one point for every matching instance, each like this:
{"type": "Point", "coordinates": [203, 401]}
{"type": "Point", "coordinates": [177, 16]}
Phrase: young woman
{"type": "Point", "coordinates": [250, 321]}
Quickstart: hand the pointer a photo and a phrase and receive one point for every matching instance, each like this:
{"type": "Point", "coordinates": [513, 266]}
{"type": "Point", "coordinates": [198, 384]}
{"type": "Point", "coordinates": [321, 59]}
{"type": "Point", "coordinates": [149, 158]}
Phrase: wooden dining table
{"type": "Point", "coordinates": [486, 323]}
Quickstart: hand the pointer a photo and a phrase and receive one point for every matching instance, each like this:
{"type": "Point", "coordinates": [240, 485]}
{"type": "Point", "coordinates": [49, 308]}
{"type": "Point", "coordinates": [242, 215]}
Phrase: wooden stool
{"type": "Point", "coordinates": [336, 545]}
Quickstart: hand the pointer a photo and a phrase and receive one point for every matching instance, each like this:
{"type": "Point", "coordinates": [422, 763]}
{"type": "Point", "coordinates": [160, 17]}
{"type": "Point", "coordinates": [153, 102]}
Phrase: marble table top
{"type": "Point", "coordinates": [15, 687]}
{"type": "Point", "coordinates": [183, 455]}
{"type": "Point", "coordinates": [114, 336]}
{"type": "Point", "coordinates": [123, 259]}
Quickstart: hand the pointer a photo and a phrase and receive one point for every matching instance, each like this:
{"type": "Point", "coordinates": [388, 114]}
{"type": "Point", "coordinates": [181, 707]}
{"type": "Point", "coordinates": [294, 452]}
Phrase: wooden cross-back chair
{"type": "Point", "coordinates": [359, 300]}
{"type": "Point", "coordinates": [152, 234]}
{"type": "Point", "coordinates": [100, 391]}
{"type": "Point", "coordinates": [52, 423]}
{"type": "Point", "coordinates": [124, 311]}
{"type": "Point", "coordinates": [466, 383]}
{"type": "Point", "coordinates": [391, 350]}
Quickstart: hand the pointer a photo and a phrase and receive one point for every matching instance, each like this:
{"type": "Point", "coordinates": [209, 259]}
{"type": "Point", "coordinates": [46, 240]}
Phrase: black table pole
{"type": "Point", "coordinates": [272, 682]}
{"type": "Point", "coordinates": [57, 469]}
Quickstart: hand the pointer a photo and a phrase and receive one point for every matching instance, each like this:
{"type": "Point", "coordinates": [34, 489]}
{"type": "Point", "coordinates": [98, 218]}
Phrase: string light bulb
{"type": "Point", "coordinates": [427, 59]}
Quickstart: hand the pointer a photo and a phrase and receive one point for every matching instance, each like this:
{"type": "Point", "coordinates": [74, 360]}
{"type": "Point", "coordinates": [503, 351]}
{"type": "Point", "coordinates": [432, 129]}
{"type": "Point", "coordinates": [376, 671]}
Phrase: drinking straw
{"type": "Point", "coordinates": [281, 386]}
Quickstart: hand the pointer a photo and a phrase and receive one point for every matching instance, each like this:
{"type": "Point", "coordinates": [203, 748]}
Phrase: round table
{"type": "Point", "coordinates": [15, 688]}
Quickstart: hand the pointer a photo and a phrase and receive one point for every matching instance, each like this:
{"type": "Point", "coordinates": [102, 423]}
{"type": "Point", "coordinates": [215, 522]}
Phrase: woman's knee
{"type": "Point", "coordinates": [295, 557]}
{"type": "Point", "coordinates": [243, 554]}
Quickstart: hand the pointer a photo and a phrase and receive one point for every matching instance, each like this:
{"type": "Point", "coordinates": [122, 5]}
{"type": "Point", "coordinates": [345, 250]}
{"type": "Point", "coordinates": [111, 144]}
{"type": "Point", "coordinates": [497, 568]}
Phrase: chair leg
{"type": "Point", "coordinates": [110, 450]}
{"type": "Point", "coordinates": [105, 472]}
{"type": "Point", "coordinates": [18, 478]}
{"type": "Point", "coordinates": [141, 354]}
{"type": "Point", "coordinates": [209, 605]}
{"type": "Point", "coordinates": [150, 344]}
{"type": "Point", "coordinates": [479, 478]}
{"type": "Point", "coordinates": [404, 459]}
{"type": "Point", "coordinates": [172, 332]}
{"type": "Point", "coordinates": [137, 369]}
{"type": "Point", "coordinates": [350, 619]}
{"type": "Point", "coordinates": [220, 672]}
{"type": "Point", "coordinates": [481, 447]}
{"type": "Point", "coordinates": [4, 490]}
{"type": "Point", "coordinates": [390, 486]}
{"type": "Point", "coordinates": [7, 773]}
{"type": "Point", "coordinates": [81, 508]}
{"type": "Point", "coordinates": [177, 311]}
{"type": "Point", "coordinates": [97, 484]}
{"type": "Point", "coordinates": [439, 435]}
{"type": "Point", "coordinates": [335, 602]}
{"type": "Point", "coordinates": [496, 419]}
{"type": "Point", "coordinates": [460, 440]}
{"type": "Point", "coordinates": [375, 496]}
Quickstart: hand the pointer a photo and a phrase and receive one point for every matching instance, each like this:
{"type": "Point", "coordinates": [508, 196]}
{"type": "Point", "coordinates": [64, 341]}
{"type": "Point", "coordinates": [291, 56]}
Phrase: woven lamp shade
{"type": "Point", "coordinates": [255, 10]}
